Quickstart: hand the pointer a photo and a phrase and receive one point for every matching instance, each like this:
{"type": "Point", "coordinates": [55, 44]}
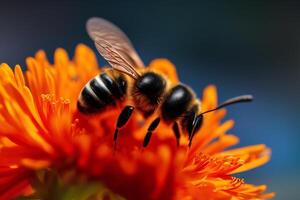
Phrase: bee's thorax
{"type": "Point", "coordinates": [148, 92]}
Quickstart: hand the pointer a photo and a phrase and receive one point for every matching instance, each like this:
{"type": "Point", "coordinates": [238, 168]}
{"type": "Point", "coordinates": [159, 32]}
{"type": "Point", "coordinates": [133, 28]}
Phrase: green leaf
{"type": "Point", "coordinates": [49, 186]}
{"type": "Point", "coordinates": [88, 191]}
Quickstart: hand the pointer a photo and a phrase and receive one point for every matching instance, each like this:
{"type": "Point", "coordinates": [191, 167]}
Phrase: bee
{"type": "Point", "coordinates": [151, 92]}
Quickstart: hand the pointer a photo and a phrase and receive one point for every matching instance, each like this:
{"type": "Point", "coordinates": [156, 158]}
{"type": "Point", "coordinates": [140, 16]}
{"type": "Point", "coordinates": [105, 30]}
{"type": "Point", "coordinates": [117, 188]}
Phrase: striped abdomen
{"type": "Point", "coordinates": [100, 92]}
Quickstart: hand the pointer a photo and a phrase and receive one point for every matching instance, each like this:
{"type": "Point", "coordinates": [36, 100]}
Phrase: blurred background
{"type": "Point", "coordinates": [241, 46]}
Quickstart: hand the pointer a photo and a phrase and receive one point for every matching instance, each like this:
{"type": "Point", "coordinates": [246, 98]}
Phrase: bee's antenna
{"type": "Point", "coordinates": [199, 119]}
{"type": "Point", "coordinates": [238, 99]}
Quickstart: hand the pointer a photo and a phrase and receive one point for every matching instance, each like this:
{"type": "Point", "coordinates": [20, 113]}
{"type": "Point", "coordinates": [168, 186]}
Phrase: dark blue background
{"type": "Point", "coordinates": [242, 47]}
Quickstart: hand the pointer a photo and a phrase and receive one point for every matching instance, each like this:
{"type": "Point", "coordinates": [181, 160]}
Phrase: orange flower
{"type": "Point", "coordinates": [42, 132]}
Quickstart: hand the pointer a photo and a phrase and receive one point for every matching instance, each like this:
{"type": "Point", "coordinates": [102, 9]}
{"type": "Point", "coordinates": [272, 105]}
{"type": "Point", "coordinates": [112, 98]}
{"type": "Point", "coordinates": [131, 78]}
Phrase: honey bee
{"type": "Point", "coordinates": [151, 93]}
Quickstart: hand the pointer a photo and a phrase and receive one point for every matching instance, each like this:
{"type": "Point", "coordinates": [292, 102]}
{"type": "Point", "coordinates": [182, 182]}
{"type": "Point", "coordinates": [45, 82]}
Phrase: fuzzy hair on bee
{"type": "Point", "coordinates": [149, 92]}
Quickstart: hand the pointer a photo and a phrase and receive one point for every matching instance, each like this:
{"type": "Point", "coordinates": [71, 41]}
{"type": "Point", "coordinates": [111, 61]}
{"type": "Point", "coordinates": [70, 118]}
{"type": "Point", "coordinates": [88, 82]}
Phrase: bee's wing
{"type": "Point", "coordinates": [101, 29]}
{"type": "Point", "coordinates": [115, 58]}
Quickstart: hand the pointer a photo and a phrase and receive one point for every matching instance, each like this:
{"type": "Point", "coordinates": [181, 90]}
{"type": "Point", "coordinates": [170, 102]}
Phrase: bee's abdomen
{"type": "Point", "coordinates": [100, 92]}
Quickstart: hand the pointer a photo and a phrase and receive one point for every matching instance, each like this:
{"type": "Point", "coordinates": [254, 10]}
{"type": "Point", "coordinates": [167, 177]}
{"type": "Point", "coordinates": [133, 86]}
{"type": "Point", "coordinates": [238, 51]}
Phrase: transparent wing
{"type": "Point", "coordinates": [101, 29]}
{"type": "Point", "coordinates": [114, 58]}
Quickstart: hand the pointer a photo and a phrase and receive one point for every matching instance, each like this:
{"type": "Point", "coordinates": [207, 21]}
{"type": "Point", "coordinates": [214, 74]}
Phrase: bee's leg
{"type": "Point", "coordinates": [150, 130]}
{"type": "Point", "coordinates": [122, 120]}
{"type": "Point", "coordinates": [197, 123]}
{"type": "Point", "coordinates": [176, 132]}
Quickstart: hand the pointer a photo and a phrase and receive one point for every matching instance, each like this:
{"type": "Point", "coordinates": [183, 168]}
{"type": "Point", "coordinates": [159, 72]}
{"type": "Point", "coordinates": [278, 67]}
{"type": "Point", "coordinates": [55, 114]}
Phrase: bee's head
{"type": "Point", "coordinates": [152, 85]}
